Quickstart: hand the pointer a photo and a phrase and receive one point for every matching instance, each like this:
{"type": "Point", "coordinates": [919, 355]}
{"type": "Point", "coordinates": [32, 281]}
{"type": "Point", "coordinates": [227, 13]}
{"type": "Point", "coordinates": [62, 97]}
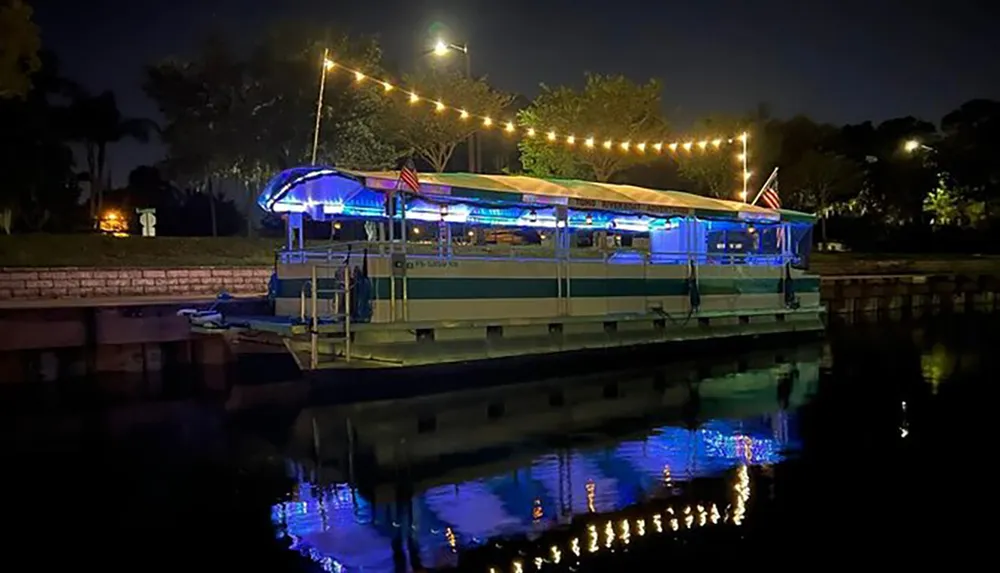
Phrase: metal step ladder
{"type": "Point", "coordinates": [341, 293]}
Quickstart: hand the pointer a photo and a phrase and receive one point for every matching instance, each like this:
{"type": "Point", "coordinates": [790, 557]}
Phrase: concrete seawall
{"type": "Point", "coordinates": [18, 284]}
{"type": "Point", "coordinates": [859, 296]}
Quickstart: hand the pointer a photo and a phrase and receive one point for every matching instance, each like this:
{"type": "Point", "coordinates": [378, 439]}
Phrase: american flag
{"type": "Point", "coordinates": [770, 195]}
{"type": "Point", "coordinates": [408, 175]}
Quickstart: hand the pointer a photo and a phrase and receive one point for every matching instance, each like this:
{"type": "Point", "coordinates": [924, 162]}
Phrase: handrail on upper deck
{"type": "Point", "coordinates": [331, 251]}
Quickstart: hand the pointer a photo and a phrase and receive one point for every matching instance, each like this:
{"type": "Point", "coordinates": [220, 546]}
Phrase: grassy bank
{"type": "Point", "coordinates": [102, 251]}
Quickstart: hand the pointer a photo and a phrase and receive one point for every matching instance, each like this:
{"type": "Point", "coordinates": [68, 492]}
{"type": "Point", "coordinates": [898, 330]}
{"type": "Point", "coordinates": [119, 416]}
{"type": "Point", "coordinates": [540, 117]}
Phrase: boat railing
{"type": "Point", "coordinates": [333, 253]}
{"type": "Point", "coordinates": [340, 306]}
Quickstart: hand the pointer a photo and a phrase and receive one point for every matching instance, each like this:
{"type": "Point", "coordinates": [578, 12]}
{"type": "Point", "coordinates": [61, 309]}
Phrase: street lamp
{"type": "Point", "coordinates": [441, 49]}
{"type": "Point", "coordinates": [912, 145]}
{"type": "Point", "coordinates": [327, 65]}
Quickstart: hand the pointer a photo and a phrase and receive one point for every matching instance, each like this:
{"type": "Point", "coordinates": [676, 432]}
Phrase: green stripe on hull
{"type": "Point", "coordinates": [494, 288]}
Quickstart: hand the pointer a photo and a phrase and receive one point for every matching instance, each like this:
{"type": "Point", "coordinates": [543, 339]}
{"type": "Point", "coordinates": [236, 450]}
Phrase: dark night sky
{"type": "Point", "coordinates": [835, 60]}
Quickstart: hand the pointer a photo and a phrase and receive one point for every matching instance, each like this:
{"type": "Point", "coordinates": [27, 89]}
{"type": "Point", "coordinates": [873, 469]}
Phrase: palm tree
{"type": "Point", "coordinates": [96, 122]}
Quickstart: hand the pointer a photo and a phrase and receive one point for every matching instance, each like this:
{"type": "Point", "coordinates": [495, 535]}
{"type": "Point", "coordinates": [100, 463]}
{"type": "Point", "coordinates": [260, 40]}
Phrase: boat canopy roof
{"type": "Point", "coordinates": [303, 188]}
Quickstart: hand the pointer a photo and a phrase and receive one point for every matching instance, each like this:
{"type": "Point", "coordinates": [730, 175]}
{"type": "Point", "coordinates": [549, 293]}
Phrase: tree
{"type": "Point", "coordinates": [818, 180]}
{"type": "Point", "coordinates": [97, 123]}
{"type": "Point", "coordinates": [280, 107]}
{"type": "Point", "coordinates": [715, 172]}
{"type": "Point", "coordinates": [19, 46]}
{"type": "Point", "coordinates": [969, 150]}
{"type": "Point", "coordinates": [949, 208]}
{"type": "Point", "coordinates": [900, 181]}
{"type": "Point", "coordinates": [608, 108]}
{"type": "Point", "coordinates": [421, 129]}
{"type": "Point", "coordinates": [39, 188]}
{"type": "Point", "coordinates": [239, 120]}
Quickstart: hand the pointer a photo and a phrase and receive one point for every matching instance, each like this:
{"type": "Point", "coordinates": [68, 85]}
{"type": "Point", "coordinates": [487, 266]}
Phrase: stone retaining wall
{"type": "Point", "coordinates": [81, 282]}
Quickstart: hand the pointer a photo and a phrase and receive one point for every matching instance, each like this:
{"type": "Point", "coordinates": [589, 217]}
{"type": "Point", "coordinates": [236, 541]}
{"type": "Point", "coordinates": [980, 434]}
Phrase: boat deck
{"type": "Point", "coordinates": [294, 326]}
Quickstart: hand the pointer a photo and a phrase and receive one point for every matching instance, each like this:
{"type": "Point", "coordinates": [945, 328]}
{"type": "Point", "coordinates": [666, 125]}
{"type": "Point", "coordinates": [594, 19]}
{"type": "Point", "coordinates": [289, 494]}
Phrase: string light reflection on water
{"type": "Point", "coordinates": [343, 530]}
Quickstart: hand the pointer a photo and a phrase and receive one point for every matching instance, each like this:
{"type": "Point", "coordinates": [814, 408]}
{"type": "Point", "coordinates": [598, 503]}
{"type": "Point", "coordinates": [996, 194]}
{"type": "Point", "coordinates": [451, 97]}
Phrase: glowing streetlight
{"type": "Point", "coordinates": [441, 49]}
{"type": "Point", "coordinates": [911, 145]}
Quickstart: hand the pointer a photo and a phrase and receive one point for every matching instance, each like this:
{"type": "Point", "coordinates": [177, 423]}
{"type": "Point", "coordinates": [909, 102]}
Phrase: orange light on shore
{"type": "Point", "coordinates": [113, 223]}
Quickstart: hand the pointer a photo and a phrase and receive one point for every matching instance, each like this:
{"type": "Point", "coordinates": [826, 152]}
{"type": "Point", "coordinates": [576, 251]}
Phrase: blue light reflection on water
{"type": "Point", "coordinates": [341, 530]}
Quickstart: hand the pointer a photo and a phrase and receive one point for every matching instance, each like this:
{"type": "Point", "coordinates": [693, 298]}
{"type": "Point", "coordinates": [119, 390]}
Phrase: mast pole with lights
{"type": "Point", "coordinates": [745, 173]}
{"type": "Point", "coordinates": [326, 65]}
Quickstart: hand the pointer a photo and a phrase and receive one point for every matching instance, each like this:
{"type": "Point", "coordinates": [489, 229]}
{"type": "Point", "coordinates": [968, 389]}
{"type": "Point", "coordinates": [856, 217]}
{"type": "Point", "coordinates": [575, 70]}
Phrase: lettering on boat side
{"type": "Point", "coordinates": [545, 199]}
{"type": "Point", "coordinates": [619, 206]}
{"type": "Point", "coordinates": [429, 188]}
{"type": "Point", "coordinates": [432, 264]}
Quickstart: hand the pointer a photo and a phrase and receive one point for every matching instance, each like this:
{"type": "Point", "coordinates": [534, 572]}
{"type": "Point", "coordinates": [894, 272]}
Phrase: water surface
{"type": "Point", "coordinates": [873, 444]}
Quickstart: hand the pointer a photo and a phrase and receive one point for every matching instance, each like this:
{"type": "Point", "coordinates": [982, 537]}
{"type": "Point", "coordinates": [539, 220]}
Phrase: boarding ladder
{"type": "Point", "coordinates": [341, 293]}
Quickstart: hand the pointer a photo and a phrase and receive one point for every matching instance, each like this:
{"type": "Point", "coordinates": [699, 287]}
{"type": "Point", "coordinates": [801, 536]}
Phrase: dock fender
{"type": "Point", "coordinates": [272, 287]}
{"type": "Point", "coordinates": [694, 293]}
{"type": "Point", "coordinates": [788, 287]}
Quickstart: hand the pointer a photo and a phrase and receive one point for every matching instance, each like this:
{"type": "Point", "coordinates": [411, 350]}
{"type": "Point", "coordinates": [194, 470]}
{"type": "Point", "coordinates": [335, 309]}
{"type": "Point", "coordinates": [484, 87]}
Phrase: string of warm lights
{"type": "Point", "coordinates": [588, 142]}
{"type": "Point", "coordinates": [692, 516]}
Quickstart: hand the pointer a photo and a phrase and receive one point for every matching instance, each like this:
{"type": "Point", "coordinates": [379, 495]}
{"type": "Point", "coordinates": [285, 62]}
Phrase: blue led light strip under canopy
{"type": "Point", "coordinates": [325, 193]}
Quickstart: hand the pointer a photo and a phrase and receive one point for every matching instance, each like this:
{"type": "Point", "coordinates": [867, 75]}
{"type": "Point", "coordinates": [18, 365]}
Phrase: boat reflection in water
{"type": "Point", "coordinates": [561, 469]}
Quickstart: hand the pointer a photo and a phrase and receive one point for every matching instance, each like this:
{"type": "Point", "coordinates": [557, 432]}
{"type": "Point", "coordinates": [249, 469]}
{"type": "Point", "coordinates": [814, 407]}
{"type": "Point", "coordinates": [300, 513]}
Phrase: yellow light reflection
{"type": "Point", "coordinates": [625, 533]}
{"type": "Point", "coordinates": [450, 536]}
{"type": "Point", "coordinates": [741, 490]}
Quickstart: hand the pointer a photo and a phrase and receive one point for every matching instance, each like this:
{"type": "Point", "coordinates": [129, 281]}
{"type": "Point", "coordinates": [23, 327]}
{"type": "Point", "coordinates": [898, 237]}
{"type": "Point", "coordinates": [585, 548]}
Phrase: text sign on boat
{"type": "Point", "coordinates": [545, 199]}
{"type": "Point", "coordinates": [758, 216]}
{"type": "Point", "coordinates": [392, 184]}
{"type": "Point", "coordinates": [621, 206]}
